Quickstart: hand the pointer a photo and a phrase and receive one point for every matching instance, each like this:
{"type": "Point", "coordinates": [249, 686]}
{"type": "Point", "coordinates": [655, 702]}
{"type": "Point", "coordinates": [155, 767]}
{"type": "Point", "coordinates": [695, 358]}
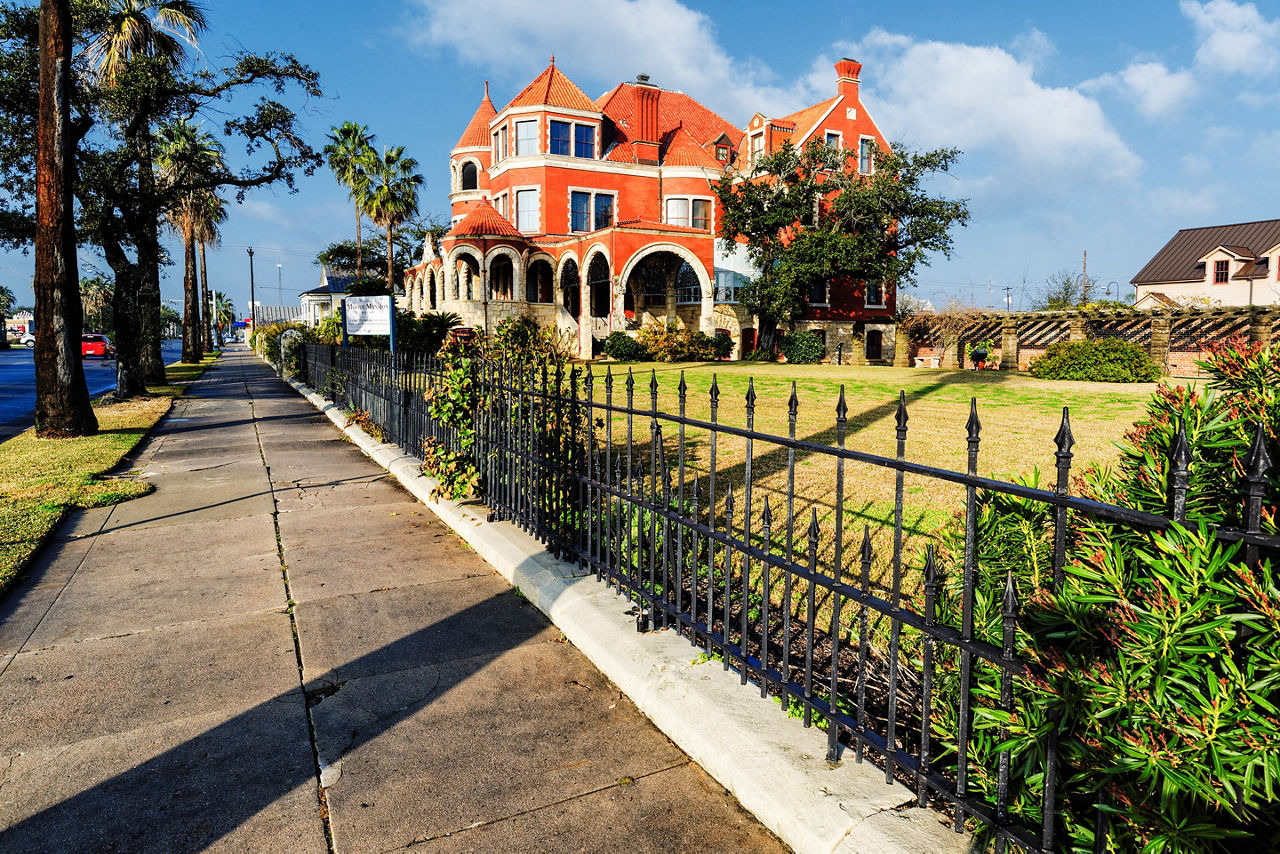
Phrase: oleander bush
{"type": "Point", "coordinates": [670, 343]}
{"type": "Point", "coordinates": [1159, 660]}
{"type": "Point", "coordinates": [1106, 360]}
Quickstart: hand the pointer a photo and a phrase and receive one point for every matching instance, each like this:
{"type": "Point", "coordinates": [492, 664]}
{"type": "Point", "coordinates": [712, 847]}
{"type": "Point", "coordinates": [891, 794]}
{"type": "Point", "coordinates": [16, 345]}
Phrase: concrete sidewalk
{"type": "Point", "coordinates": [281, 649]}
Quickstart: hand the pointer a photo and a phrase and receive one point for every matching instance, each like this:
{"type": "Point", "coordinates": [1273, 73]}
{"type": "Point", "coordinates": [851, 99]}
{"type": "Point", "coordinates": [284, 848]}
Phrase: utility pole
{"type": "Point", "coordinates": [1084, 275]}
{"type": "Point", "coordinates": [280, 283]}
{"type": "Point", "coordinates": [253, 301]}
{"type": "Point", "coordinates": [1008, 298]}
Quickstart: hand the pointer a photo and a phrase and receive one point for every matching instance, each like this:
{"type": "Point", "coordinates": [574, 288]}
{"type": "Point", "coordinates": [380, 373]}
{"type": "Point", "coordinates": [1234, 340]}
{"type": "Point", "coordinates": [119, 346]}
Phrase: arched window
{"type": "Point", "coordinates": [470, 176]}
{"type": "Point", "coordinates": [571, 286]}
{"type": "Point", "coordinates": [598, 286]}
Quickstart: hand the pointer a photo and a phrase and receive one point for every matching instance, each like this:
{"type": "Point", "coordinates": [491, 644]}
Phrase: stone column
{"type": "Point", "coordinates": [950, 357]}
{"type": "Point", "coordinates": [1161, 326]}
{"type": "Point", "coordinates": [901, 344]}
{"type": "Point", "coordinates": [707, 314]}
{"type": "Point", "coordinates": [1009, 344]}
{"type": "Point", "coordinates": [1260, 328]}
{"type": "Point", "coordinates": [671, 296]}
{"type": "Point", "coordinates": [1076, 329]}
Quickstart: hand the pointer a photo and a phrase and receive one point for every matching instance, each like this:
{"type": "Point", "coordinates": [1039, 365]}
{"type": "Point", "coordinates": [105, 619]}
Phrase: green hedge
{"type": "Point", "coordinates": [624, 348]}
{"type": "Point", "coordinates": [803, 348]}
{"type": "Point", "coordinates": [1107, 360]}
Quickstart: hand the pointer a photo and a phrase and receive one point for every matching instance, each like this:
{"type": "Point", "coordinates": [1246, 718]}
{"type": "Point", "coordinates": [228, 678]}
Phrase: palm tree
{"type": "Point", "coordinates": [62, 397]}
{"type": "Point", "coordinates": [188, 155]}
{"type": "Point", "coordinates": [7, 300]}
{"type": "Point", "coordinates": [224, 312]}
{"type": "Point", "coordinates": [350, 154]}
{"type": "Point", "coordinates": [392, 197]}
{"type": "Point", "coordinates": [158, 30]}
{"type": "Point", "coordinates": [213, 215]}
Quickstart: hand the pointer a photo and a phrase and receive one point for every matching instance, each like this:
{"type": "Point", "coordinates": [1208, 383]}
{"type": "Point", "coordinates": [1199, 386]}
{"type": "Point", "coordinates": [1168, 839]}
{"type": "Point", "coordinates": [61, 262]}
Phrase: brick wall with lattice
{"type": "Point", "coordinates": [1175, 340]}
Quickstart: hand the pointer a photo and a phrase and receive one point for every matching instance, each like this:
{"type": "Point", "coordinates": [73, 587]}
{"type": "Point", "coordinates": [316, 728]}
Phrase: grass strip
{"type": "Point", "coordinates": [42, 479]}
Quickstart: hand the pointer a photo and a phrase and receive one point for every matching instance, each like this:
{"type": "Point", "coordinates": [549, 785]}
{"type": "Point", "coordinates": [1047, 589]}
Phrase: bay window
{"type": "Point", "coordinates": [689, 212]}
{"type": "Point", "coordinates": [558, 138]}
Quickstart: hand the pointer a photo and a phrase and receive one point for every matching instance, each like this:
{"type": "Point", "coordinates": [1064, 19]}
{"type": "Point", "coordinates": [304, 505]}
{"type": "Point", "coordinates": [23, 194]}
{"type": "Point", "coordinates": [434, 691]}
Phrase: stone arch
{"type": "Point", "coordinates": [599, 284]}
{"type": "Point", "coordinates": [704, 279]}
{"type": "Point", "coordinates": [460, 254]}
{"type": "Point", "coordinates": [569, 281]}
{"type": "Point", "coordinates": [539, 277]}
{"type": "Point", "coordinates": [517, 271]}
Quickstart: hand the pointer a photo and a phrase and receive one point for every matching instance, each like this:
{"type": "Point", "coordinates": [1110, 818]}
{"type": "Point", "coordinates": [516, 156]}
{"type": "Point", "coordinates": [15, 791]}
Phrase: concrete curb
{"type": "Point", "coordinates": [769, 761]}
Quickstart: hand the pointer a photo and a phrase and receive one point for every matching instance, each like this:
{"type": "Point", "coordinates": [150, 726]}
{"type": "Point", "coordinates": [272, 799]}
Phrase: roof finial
{"type": "Point", "coordinates": [553, 60]}
{"type": "Point", "coordinates": [486, 89]}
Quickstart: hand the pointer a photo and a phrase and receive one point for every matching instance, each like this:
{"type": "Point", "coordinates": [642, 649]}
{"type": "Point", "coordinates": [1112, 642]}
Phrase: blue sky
{"type": "Point", "coordinates": [1098, 127]}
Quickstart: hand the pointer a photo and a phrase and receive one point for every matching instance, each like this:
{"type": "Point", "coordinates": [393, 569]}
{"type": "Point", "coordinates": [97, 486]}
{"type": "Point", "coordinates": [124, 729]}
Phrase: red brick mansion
{"type": "Point", "coordinates": [598, 215]}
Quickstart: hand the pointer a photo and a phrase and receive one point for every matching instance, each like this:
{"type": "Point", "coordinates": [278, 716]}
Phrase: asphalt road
{"type": "Point", "coordinates": [18, 383]}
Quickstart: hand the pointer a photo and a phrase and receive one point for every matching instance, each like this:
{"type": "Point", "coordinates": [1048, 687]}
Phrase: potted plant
{"type": "Point", "coordinates": [978, 352]}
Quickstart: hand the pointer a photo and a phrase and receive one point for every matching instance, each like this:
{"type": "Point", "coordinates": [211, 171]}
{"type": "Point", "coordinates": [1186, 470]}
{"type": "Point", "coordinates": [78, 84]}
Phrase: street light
{"type": "Point", "coordinates": [280, 283]}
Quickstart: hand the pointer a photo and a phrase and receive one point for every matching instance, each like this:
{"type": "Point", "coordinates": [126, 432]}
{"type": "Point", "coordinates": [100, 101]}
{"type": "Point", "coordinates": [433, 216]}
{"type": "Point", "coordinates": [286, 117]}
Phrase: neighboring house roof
{"type": "Point", "coordinates": [552, 88]}
{"type": "Point", "coordinates": [477, 132]}
{"type": "Point", "coordinates": [1158, 298]}
{"type": "Point", "coordinates": [276, 313]}
{"type": "Point", "coordinates": [483, 220]}
{"type": "Point", "coordinates": [1180, 259]}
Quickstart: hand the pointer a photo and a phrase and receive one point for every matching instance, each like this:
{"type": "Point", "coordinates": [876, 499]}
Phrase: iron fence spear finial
{"type": "Point", "coordinates": [1179, 469]}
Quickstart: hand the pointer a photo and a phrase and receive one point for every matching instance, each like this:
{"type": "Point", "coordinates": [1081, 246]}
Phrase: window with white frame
{"type": "Point", "coordinates": [590, 210]}
{"type": "Point", "coordinates": [500, 203]}
{"type": "Point", "coordinates": [689, 212]}
{"type": "Point", "coordinates": [527, 210]}
{"type": "Point", "coordinates": [875, 295]}
{"type": "Point", "coordinates": [866, 158]}
{"type": "Point", "coordinates": [834, 139]}
{"type": "Point", "coordinates": [559, 138]}
{"type": "Point", "coordinates": [584, 141]}
{"type": "Point", "coordinates": [526, 138]}
{"type": "Point", "coordinates": [757, 148]}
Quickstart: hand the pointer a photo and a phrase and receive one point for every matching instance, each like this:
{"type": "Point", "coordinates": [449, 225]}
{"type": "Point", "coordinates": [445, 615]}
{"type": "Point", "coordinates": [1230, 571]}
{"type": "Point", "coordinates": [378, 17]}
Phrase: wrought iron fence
{"type": "Point", "coordinates": [784, 597]}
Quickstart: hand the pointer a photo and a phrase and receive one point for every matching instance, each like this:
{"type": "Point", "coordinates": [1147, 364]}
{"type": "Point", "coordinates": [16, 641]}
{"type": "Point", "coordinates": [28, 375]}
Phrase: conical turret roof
{"type": "Point", "coordinates": [483, 220]}
{"type": "Point", "coordinates": [552, 88]}
{"type": "Point", "coordinates": [477, 132]}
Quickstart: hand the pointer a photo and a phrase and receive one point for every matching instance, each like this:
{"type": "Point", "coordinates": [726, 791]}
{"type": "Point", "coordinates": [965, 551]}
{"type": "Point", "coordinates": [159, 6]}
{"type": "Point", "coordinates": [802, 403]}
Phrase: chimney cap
{"type": "Point", "coordinates": [643, 80]}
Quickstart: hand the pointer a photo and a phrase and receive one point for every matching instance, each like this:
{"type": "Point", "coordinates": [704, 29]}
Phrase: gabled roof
{"type": "Point", "coordinates": [675, 110]}
{"type": "Point", "coordinates": [1180, 259]}
{"type": "Point", "coordinates": [807, 119]}
{"type": "Point", "coordinates": [477, 132]}
{"type": "Point", "coordinates": [679, 148]}
{"type": "Point", "coordinates": [484, 221]}
{"type": "Point", "coordinates": [552, 88]}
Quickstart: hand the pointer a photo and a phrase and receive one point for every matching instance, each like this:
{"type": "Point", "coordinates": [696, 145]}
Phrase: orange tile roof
{"type": "Point", "coordinates": [477, 132]}
{"type": "Point", "coordinates": [675, 110]}
{"type": "Point", "coordinates": [805, 120]}
{"type": "Point", "coordinates": [484, 221]}
{"type": "Point", "coordinates": [552, 88]}
{"type": "Point", "coordinates": [681, 149]}
{"type": "Point", "coordinates": [653, 225]}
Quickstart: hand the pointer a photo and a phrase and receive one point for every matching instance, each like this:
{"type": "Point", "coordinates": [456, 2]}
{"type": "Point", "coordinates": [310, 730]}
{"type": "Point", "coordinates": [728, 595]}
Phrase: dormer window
{"type": "Point", "coordinates": [722, 153]}
{"type": "Point", "coordinates": [1221, 272]}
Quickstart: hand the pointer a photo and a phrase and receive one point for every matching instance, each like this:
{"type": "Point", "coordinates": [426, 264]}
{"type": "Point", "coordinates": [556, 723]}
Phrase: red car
{"type": "Point", "coordinates": [96, 345]}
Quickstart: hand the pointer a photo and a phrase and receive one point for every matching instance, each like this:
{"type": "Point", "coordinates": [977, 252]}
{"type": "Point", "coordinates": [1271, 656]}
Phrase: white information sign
{"type": "Point", "coordinates": [369, 315]}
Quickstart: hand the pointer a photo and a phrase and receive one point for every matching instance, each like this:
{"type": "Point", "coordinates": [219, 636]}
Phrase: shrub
{"type": "Point", "coordinates": [669, 343]}
{"type": "Point", "coordinates": [1160, 656]}
{"type": "Point", "coordinates": [761, 354]}
{"type": "Point", "coordinates": [519, 340]}
{"type": "Point", "coordinates": [723, 344]}
{"type": "Point", "coordinates": [803, 347]}
{"type": "Point", "coordinates": [624, 348]}
{"type": "Point", "coordinates": [1108, 360]}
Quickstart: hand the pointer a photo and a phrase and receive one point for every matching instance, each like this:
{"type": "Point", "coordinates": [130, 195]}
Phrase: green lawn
{"type": "Point", "coordinates": [41, 479]}
{"type": "Point", "coordinates": [1020, 416]}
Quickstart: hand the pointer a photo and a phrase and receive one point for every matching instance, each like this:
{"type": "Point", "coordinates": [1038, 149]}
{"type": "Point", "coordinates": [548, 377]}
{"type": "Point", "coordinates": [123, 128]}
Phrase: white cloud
{"type": "Point", "coordinates": [1033, 47]}
{"type": "Point", "coordinates": [664, 38]}
{"type": "Point", "coordinates": [1152, 87]}
{"type": "Point", "coordinates": [1234, 37]}
{"type": "Point", "coordinates": [983, 99]}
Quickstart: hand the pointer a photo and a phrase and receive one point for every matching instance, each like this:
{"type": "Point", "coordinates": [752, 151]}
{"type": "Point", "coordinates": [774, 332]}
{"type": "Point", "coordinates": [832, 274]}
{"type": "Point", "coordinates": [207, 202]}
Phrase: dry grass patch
{"type": "Point", "coordinates": [41, 479]}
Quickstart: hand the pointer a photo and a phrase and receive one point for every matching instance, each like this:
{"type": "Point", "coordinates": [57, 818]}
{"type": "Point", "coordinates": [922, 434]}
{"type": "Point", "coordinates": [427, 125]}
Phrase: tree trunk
{"type": "Point", "coordinates": [767, 335]}
{"type": "Point", "coordinates": [62, 398]}
{"type": "Point", "coordinates": [391, 288]}
{"type": "Point", "coordinates": [148, 249]}
{"type": "Point", "coordinates": [192, 352]}
{"type": "Point", "coordinates": [130, 381]}
{"type": "Point", "coordinates": [357, 243]}
{"type": "Point", "coordinates": [206, 302]}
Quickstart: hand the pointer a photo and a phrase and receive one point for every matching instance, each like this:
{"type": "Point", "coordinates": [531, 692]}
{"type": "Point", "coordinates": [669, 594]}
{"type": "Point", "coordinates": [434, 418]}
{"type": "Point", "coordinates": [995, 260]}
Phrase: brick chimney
{"type": "Point", "coordinates": [847, 71]}
{"type": "Point", "coordinates": [645, 136]}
